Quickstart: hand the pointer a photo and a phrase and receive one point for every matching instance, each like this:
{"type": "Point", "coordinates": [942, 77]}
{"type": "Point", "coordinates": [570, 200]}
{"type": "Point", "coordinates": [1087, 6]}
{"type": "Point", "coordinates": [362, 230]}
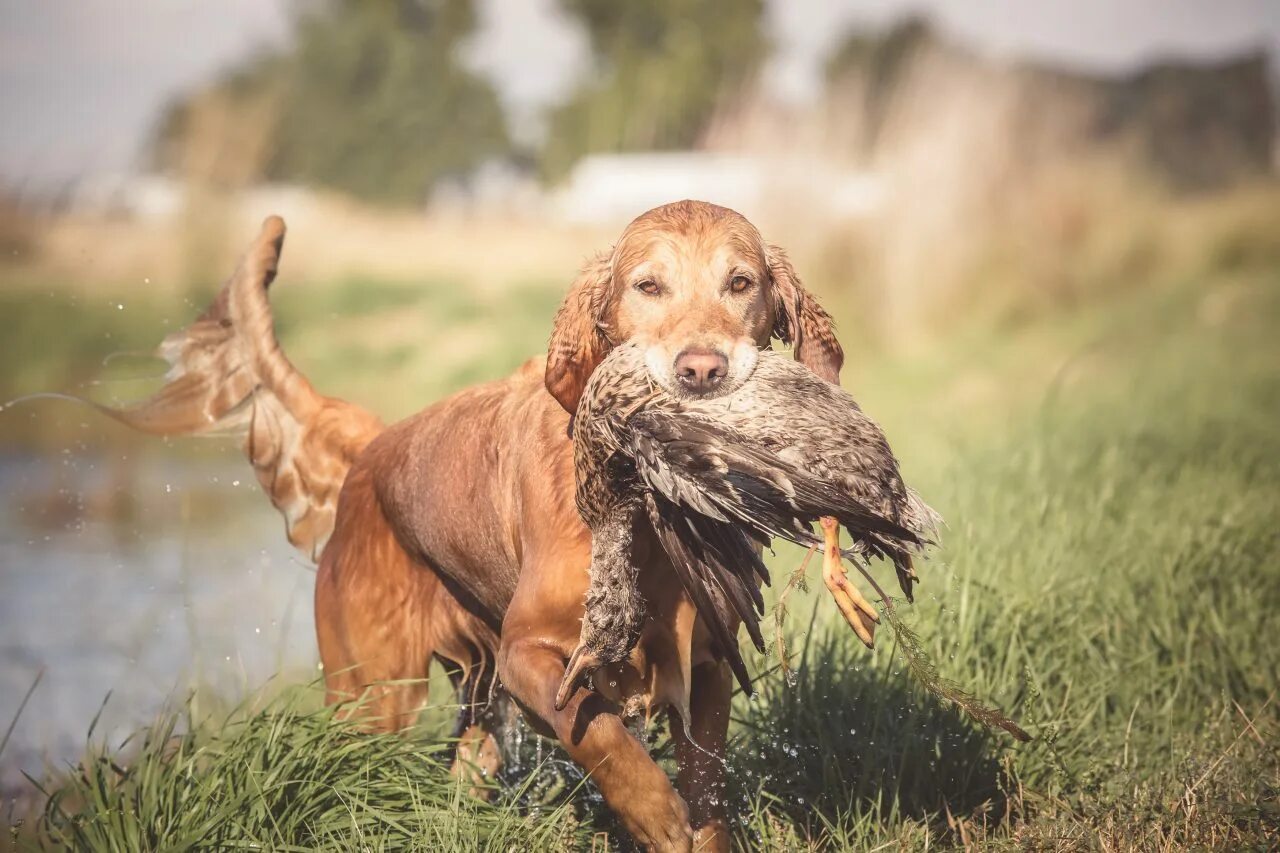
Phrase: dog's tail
{"type": "Point", "coordinates": [228, 375]}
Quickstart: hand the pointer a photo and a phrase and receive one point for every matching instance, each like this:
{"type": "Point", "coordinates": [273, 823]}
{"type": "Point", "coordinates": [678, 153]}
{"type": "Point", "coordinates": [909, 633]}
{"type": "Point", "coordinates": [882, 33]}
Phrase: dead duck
{"type": "Point", "coordinates": [717, 478]}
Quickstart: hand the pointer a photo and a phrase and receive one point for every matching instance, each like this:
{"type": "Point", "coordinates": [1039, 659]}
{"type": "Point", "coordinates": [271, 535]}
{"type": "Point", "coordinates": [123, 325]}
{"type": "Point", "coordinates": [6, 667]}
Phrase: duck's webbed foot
{"type": "Point", "coordinates": [857, 611]}
{"type": "Point", "coordinates": [615, 611]}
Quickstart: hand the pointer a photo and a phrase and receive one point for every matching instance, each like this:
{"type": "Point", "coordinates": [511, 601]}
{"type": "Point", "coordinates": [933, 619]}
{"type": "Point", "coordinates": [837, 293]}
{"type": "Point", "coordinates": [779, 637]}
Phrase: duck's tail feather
{"type": "Point", "coordinates": [710, 564]}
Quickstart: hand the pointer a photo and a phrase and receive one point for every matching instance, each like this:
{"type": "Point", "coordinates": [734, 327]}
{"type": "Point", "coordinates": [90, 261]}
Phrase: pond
{"type": "Point", "coordinates": [138, 576]}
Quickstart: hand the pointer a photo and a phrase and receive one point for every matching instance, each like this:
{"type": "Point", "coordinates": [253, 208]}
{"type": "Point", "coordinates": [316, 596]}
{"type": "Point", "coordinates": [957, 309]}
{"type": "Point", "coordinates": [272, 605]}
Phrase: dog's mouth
{"type": "Point", "coordinates": [676, 377]}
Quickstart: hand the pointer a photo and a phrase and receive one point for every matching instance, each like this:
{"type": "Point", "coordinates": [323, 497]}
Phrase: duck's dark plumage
{"type": "Point", "coordinates": [719, 476]}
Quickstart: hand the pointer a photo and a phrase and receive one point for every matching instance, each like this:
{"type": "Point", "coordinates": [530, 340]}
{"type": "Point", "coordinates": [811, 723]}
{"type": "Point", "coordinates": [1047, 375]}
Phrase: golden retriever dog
{"type": "Point", "coordinates": [453, 534]}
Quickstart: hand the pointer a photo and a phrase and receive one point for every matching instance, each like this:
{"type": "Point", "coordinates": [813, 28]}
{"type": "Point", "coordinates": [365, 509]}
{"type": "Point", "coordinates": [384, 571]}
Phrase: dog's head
{"type": "Point", "coordinates": [697, 287]}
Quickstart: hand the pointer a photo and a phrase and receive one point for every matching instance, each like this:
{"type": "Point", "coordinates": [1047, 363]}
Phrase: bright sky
{"type": "Point", "coordinates": [81, 81]}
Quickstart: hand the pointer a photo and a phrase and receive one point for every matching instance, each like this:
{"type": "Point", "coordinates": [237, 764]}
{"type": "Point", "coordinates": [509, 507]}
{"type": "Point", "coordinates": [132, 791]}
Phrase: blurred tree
{"type": "Point", "coordinates": [371, 99]}
{"type": "Point", "coordinates": [661, 69]}
{"type": "Point", "coordinates": [872, 65]}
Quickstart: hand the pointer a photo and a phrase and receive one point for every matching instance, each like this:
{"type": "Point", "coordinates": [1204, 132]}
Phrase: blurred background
{"type": "Point", "coordinates": [1009, 208]}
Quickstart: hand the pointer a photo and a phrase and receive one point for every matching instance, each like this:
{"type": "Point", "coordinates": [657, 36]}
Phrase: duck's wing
{"type": "Point", "coordinates": [716, 471]}
{"type": "Point", "coordinates": [718, 567]}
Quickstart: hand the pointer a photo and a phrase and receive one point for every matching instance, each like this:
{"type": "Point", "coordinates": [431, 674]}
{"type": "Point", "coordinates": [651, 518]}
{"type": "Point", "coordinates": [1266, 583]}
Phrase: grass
{"type": "Point", "coordinates": [1112, 568]}
{"type": "Point", "coordinates": [389, 343]}
{"type": "Point", "coordinates": [286, 775]}
{"type": "Point", "coordinates": [1110, 578]}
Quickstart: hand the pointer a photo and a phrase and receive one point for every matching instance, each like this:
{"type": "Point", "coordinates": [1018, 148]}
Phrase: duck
{"type": "Point", "coordinates": [718, 477]}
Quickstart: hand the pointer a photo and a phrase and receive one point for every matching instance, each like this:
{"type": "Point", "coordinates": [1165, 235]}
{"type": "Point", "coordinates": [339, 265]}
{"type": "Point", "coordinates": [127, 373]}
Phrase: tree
{"type": "Point", "coordinates": [875, 64]}
{"type": "Point", "coordinates": [370, 100]}
{"type": "Point", "coordinates": [660, 70]}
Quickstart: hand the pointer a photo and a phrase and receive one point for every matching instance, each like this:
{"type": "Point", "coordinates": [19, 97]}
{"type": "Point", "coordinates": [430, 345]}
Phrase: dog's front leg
{"type": "Point", "coordinates": [700, 755]}
{"type": "Point", "coordinates": [591, 731]}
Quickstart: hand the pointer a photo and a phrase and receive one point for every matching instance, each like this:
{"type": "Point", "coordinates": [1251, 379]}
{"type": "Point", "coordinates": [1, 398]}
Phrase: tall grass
{"type": "Point", "coordinates": [286, 775]}
{"type": "Point", "coordinates": [1111, 578]}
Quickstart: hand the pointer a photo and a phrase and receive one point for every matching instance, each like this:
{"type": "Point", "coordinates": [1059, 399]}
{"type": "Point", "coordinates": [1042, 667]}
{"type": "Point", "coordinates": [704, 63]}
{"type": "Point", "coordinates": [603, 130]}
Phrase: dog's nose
{"type": "Point", "coordinates": [701, 370]}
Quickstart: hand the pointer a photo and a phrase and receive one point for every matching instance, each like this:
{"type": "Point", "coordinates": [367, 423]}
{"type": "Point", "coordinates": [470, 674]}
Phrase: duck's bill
{"type": "Point", "coordinates": [582, 663]}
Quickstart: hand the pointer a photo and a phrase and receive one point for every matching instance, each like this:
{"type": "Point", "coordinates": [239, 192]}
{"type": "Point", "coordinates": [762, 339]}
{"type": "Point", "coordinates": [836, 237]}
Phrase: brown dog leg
{"type": "Point", "coordinates": [701, 775]}
{"type": "Point", "coordinates": [384, 688]}
{"type": "Point", "coordinates": [372, 609]}
{"type": "Point", "coordinates": [478, 760]}
{"type": "Point", "coordinates": [591, 732]}
{"type": "Point", "coordinates": [481, 714]}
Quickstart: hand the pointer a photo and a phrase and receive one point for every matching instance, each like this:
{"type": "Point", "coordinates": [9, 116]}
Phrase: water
{"type": "Point", "coordinates": [142, 578]}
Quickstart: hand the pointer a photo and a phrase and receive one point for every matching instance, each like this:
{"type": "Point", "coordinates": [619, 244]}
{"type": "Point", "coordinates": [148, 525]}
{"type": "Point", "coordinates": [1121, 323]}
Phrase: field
{"type": "Point", "coordinates": [1109, 576]}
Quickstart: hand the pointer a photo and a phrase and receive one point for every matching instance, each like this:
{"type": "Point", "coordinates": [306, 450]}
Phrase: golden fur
{"type": "Point", "coordinates": [455, 535]}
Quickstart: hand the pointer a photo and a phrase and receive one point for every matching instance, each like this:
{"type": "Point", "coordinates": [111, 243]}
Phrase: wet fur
{"type": "Point", "coordinates": [454, 533]}
{"type": "Point", "coordinates": [764, 460]}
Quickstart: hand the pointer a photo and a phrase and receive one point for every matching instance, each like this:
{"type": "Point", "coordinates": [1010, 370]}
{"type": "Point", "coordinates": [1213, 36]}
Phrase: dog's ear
{"type": "Point", "coordinates": [800, 321]}
{"type": "Point", "coordinates": [579, 339]}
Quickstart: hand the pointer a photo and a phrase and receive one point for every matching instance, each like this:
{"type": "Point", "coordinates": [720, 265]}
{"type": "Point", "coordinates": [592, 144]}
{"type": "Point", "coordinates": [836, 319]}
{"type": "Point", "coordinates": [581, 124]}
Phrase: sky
{"type": "Point", "coordinates": [82, 81]}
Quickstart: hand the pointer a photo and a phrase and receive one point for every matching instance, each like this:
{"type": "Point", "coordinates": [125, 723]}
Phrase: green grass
{"type": "Point", "coordinates": [390, 345]}
{"type": "Point", "coordinates": [395, 345]}
{"type": "Point", "coordinates": [1110, 577]}
{"type": "Point", "coordinates": [286, 775]}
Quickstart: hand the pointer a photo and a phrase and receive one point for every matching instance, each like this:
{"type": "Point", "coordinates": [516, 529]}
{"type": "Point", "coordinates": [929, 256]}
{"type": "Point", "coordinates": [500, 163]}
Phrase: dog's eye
{"type": "Point", "coordinates": [648, 287]}
{"type": "Point", "coordinates": [739, 284]}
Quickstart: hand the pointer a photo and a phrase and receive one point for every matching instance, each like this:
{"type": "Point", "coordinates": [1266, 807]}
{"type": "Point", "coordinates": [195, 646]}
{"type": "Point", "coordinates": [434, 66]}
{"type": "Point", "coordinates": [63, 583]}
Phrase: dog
{"type": "Point", "coordinates": [453, 534]}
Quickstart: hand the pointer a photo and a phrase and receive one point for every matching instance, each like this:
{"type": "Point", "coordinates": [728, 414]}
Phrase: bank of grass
{"type": "Point", "coordinates": [283, 775]}
{"type": "Point", "coordinates": [1110, 577]}
{"type": "Point", "coordinates": [391, 344]}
